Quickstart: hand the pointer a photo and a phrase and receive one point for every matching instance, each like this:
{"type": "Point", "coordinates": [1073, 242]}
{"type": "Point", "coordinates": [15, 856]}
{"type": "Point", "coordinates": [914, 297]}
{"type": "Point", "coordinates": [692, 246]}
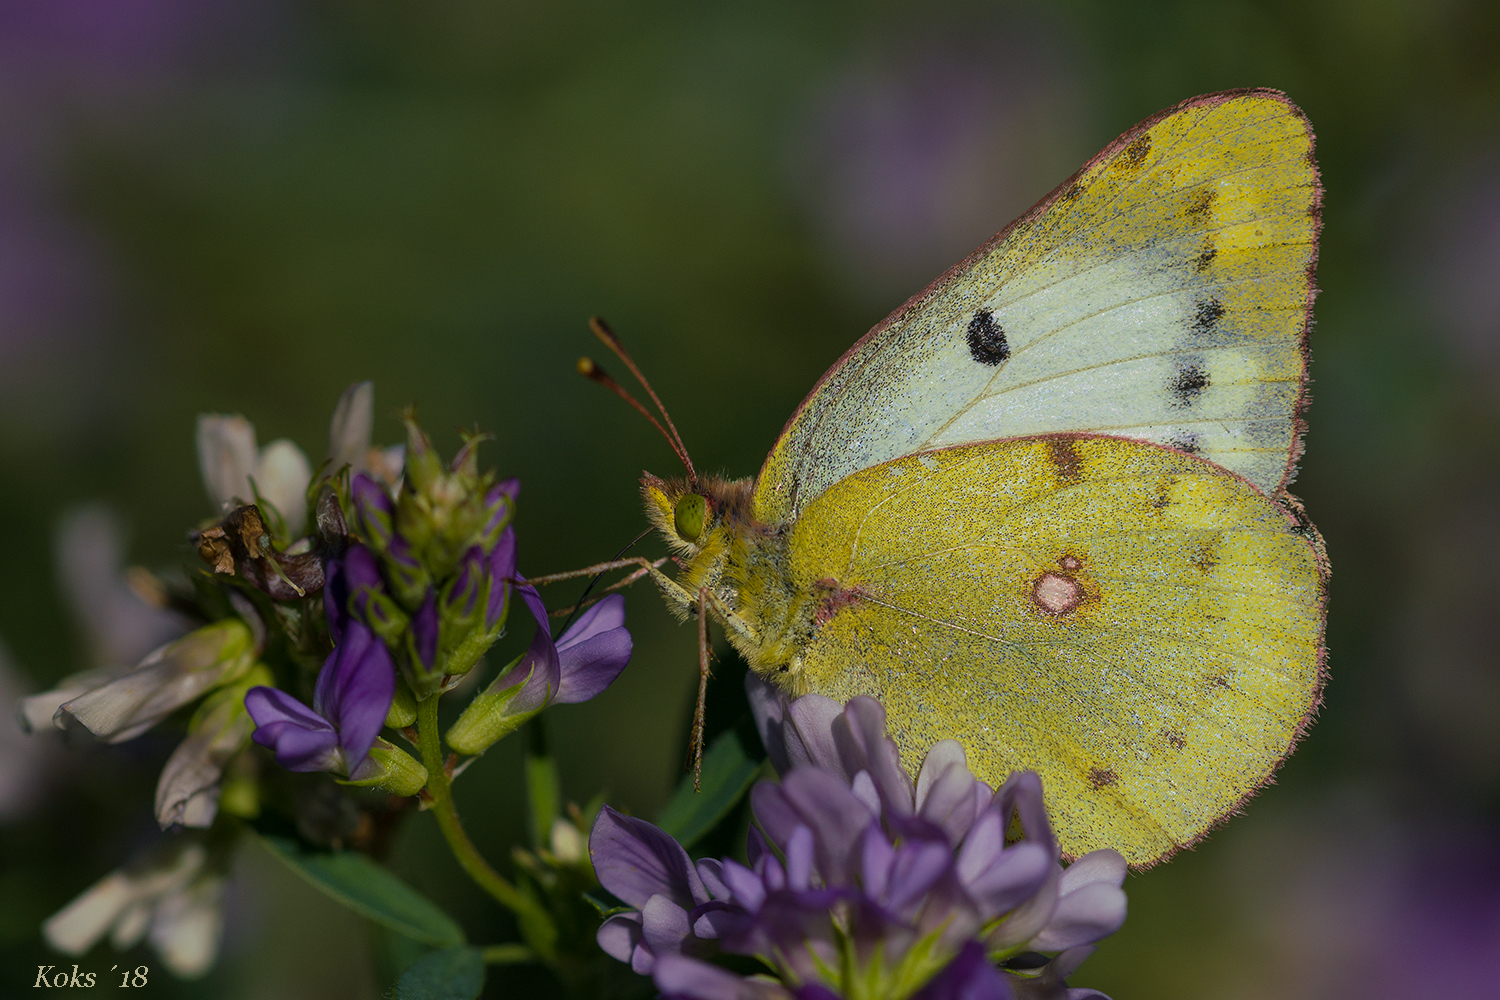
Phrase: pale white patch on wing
{"type": "Point", "coordinates": [1117, 346]}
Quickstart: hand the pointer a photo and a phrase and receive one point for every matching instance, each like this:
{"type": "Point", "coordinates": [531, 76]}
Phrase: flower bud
{"type": "Point", "coordinates": [442, 513]}
{"type": "Point", "coordinates": [409, 579]}
{"type": "Point", "coordinates": [466, 462]}
{"type": "Point", "coordinates": [423, 466]}
{"type": "Point", "coordinates": [489, 717]}
{"type": "Point", "coordinates": [499, 506]}
{"type": "Point", "coordinates": [356, 587]}
{"type": "Point", "coordinates": [403, 707]}
{"type": "Point", "coordinates": [374, 511]}
{"type": "Point", "coordinates": [425, 671]}
{"type": "Point", "coordinates": [502, 571]}
{"type": "Point", "coordinates": [464, 634]}
{"type": "Point", "coordinates": [391, 768]}
{"type": "Point", "coordinates": [461, 597]}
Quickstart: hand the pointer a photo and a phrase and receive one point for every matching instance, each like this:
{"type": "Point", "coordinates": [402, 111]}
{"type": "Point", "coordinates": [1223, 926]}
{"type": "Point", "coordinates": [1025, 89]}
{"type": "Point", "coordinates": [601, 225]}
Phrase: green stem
{"type": "Point", "coordinates": [532, 917]}
{"type": "Point", "coordinates": [508, 954]}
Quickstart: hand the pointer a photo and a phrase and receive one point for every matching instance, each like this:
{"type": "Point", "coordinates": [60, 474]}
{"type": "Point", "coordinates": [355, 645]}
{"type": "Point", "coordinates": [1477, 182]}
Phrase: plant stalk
{"type": "Point", "coordinates": [532, 917]}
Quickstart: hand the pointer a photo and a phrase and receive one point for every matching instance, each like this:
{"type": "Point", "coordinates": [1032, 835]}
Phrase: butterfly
{"type": "Point", "coordinates": [1041, 508]}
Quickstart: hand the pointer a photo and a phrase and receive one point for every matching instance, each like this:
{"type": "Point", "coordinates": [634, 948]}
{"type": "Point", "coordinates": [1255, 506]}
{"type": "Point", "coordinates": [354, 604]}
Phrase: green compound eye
{"type": "Point", "coordinates": [690, 515]}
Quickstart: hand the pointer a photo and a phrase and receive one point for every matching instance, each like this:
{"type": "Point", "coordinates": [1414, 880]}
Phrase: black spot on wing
{"type": "Point", "coordinates": [1209, 312]}
{"type": "Point", "coordinates": [1188, 383]}
{"type": "Point", "coordinates": [1205, 258]}
{"type": "Point", "coordinates": [987, 343]}
{"type": "Point", "coordinates": [1136, 152]}
{"type": "Point", "coordinates": [1184, 441]}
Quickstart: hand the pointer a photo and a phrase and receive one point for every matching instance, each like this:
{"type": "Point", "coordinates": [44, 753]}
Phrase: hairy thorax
{"type": "Point", "coordinates": [746, 568]}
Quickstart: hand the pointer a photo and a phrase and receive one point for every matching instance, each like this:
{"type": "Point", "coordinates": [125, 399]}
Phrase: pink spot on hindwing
{"type": "Point", "coordinates": [834, 599]}
{"type": "Point", "coordinates": [1056, 594]}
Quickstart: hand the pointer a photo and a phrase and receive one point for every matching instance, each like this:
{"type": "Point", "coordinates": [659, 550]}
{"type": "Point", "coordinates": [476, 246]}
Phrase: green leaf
{"type": "Point", "coordinates": [449, 974]}
{"type": "Point", "coordinates": [394, 953]}
{"type": "Point", "coordinates": [370, 890]}
{"type": "Point", "coordinates": [544, 796]}
{"type": "Point", "coordinates": [727, 774]}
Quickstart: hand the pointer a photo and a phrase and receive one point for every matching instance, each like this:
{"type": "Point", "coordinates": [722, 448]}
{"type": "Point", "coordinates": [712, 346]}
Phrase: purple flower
{"type": "Point", "coordinates": [502, 569]}
{"type": "Point", "coordinates": [350, 703]}
{"type": "Point", "coordinates": [422, 636]}
{"type": "Point", "coordinates": [373, 509]}
{"type": "Point", "coordinates": [354, 589]}
{"type": "Point", "coordinates": [583, 662]}
{"type": "Point", "coordinates": [861, 880]}
{"type": "Point", "coordinates": [579, 665]}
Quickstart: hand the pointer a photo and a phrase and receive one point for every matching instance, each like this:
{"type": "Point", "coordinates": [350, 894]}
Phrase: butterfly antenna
{"type": "Point", "coordinates": [591, 371]}
{"type": "Point", "coordinates": [607, 336]}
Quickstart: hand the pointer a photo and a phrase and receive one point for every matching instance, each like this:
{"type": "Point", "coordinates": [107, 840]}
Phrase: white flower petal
{"type": "Point", "coordinates": [131, 927]}
{"type": "Point", "coordinates": [353, 424]}
{"type": "Point", "coordinates": [169, 678]}
{"type": "Point", "coordinates": [226, 457]}
{"type": "Point", "coordinates": [188, 926]}
{"type": "Point", "coordinates": [38, 711]}
{"type": "Point", "coordinates": [282, 476]}
{"type": "Point", "coordinates": [187, 794]}
{"type": "Point", "coordinates": [74, 929]}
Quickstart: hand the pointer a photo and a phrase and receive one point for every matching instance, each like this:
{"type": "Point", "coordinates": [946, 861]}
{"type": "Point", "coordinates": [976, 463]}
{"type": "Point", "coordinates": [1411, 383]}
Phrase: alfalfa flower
{"type": "Point", "coordinates": [187, 793]}
{"type": "Point", "coordinates": [350, 703]}
{"type": "Point", "coordinates": [124, 706]}
{"type": "Point", "coordinates": [583, 661]}
{"type": "Point", "coordinates": [172, 899]}
{"type": "Point", "coordinates": [437, 560]}
{"type": "Point", "coordinates": [235, 472]}
{"type": "Point", "coordinates": [863, 882]}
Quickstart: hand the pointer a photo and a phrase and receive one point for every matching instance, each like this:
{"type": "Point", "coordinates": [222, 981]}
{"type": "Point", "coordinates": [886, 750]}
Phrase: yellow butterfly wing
{"type": "Point", "coordinates": [1141, 628]}
{"type": "Point", "coordinates": [1162, 293]}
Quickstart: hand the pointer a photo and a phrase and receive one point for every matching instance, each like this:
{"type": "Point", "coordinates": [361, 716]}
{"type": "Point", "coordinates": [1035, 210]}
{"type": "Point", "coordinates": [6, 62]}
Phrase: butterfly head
{"type": "Point", "coordinates": [690, 512]}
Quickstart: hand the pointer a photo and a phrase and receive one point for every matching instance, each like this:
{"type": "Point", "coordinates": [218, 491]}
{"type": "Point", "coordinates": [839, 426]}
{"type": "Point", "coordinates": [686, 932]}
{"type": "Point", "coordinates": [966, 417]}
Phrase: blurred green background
{"type": "Point", "coordinates": [244, 206]}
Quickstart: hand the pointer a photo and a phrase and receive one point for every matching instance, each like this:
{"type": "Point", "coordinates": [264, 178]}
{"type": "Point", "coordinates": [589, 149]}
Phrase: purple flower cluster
{"type": "Point", "coordinates": [861, 881]}
{"type": "Point", "coordinates": [442, 627]}
{"type": "Point", "coordinates": [358, 681]}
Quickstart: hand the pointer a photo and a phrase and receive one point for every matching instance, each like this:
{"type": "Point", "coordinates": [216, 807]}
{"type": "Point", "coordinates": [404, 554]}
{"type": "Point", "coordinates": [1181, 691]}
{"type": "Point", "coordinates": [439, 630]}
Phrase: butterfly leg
{"type": "Point", "coordinates": [704, 597]}
{"type": "Point", "coordinates": [597, 570]}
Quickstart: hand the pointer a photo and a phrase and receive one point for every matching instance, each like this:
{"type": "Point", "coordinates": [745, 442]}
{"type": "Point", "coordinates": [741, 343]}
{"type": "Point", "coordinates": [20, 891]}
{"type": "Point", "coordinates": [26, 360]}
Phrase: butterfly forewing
{"type": "Point", "coordinates": [1162, 294]}
{"type": "Point", "coordinates": [1141, 628]}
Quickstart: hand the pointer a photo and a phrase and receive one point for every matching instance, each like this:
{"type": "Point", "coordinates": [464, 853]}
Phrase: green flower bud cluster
{"type": "Point", "coordinates": [434, 576]}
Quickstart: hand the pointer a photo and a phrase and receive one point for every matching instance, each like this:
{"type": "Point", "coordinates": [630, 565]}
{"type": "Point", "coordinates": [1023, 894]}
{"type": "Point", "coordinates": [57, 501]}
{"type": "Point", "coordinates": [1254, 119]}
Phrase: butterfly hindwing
{"type": "Point", "coordinates": [1141, 628]}
{"type": "Point", "coordinates": [1163, 293]}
